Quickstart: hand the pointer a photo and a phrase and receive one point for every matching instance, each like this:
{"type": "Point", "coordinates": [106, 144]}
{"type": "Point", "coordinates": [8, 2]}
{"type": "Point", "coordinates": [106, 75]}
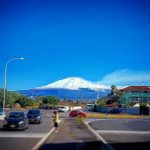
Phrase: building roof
{"type": "Point", "coordinates": [136, 88]}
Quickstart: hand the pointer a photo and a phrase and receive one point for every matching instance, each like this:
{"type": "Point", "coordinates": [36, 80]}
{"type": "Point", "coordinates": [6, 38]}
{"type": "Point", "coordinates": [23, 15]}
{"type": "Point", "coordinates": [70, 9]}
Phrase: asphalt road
{"type": "Point", "coordinates": [124, 134]}
{"type": "Point", "coordinates": [26, 140]}
{"type": "Point", "coordinates": [121, 134]}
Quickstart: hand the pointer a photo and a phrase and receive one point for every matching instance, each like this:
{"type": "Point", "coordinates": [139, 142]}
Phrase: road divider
{"type": "Point", "coordinates": [42, 141]}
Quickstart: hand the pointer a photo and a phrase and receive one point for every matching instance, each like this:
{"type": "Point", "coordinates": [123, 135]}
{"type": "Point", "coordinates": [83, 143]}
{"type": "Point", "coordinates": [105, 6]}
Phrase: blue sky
{"type": "Point", "coordinates": [104, 41]}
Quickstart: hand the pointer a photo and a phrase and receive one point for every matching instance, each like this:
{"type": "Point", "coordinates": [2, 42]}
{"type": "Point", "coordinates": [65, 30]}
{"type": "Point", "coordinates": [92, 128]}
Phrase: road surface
{"type": "Point", "coordinates": [26, 140]}
{"type": "Point", "coordinates": [124, 134]}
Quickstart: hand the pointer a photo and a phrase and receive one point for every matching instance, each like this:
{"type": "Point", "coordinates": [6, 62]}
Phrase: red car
{"type": "Point", "coordinates": [75, 113]}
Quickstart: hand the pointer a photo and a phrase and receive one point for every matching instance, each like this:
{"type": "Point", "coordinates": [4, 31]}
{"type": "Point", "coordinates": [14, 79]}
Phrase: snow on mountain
{"type": "Point", "coordinates": [74, 83]}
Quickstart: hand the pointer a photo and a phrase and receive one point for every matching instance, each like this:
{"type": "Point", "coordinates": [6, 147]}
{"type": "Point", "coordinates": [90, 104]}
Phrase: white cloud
{"type": "Point", "coordinates": [126, 77]}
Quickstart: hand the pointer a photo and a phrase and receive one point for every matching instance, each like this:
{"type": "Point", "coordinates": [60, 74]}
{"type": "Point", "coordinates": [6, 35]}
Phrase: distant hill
{"type": "Point", "coordinates": [70, 88]}
{"type": "Point", "coordinates": [66, 93]}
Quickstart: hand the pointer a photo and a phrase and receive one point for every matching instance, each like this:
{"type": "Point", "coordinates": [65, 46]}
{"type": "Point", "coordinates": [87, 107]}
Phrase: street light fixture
{"type": "Point", "coordinates": [12, 59]}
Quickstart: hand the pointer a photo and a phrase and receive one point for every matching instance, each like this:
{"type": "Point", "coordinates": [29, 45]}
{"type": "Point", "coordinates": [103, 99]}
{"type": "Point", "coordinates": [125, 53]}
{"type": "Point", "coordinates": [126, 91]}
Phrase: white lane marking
{"type": "Point", "coordinates": [122, 132]}
{"type": "Point", "coordinates": [43, 139]}
{"type": "Point", "coordinates": [23, 135]}
{"type": "Point", "coordinates": [36, 147]}
{"type": "Point", "coordinates": [102, 119]}
{"type": "Point", "coordinates": [99, 138]}
{"type": "Point", "coordinates": [126, 121]}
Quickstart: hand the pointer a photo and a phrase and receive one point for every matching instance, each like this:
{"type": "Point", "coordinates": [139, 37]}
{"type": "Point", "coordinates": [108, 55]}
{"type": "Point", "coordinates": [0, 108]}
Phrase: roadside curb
{"type": "Point", "coordinates": [105, 145]}
{"type": "Point", "coordinates": [42, 141]}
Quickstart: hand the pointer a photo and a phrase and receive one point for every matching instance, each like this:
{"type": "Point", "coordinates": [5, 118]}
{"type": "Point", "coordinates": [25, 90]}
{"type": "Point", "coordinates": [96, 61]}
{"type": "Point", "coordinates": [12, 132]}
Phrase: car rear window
{"type": "Point", "coordinates": [34, 112]}
{"type": "Point", "coordinates": [16, 115]}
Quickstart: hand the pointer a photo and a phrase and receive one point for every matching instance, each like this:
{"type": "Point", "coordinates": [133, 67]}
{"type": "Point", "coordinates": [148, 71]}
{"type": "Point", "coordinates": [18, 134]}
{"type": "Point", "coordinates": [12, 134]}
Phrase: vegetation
{"type": "Point", "coordinates": [101, 102]}
{"type": "Point", "coordinates": [144, 109]}
{"type": "Point", "coordinates": [17, 100]}
{"type": "Point", "coordinates": [79, 118]}
{"type": "Point", "coordinates": [111, 98]}
{"type": "Point", "coordinates": [118, 116]}
{"type": "Point", "coordinates": [13, 98]}
{"type": "Point", "coordinates": [115, 95]}
{"type": "Point", "coordinates": [129, 104]}
{"type": "Point", "coordinates": [50, 100]}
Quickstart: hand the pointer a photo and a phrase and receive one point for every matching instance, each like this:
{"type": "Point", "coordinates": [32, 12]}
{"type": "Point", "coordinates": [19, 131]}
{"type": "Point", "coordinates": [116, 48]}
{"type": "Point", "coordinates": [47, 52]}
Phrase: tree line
{"type": "Point", "coordinates": [13, 98]}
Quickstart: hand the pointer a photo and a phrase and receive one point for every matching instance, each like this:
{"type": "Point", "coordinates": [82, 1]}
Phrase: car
{"type": "Point", "coordinates": [16, 121]}
{"type": "Point", "coordinates": [114, 111]}
{"type": "Point", "coordinates": [34, 116]}
{"type": "Point", "coordinates": [75, 113]}
{"type": "Point", "coordinates": [90, 107]}
{"type": "Point", "coordinates": [63, 109]}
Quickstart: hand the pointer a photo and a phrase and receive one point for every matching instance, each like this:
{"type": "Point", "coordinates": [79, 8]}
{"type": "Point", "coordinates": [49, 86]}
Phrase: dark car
{"type": "Point", "coordinates": [34, 116]}
{"type": "Point", "coordinates": [75, 113]}
{"type": "Point", "coordinates": [114, 111]}
{"type": "Point", "coordinates": [16, 121]}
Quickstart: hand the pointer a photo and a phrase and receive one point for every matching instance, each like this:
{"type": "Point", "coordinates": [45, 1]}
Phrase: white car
{"type": "Point", "coordinates": [63, 109]}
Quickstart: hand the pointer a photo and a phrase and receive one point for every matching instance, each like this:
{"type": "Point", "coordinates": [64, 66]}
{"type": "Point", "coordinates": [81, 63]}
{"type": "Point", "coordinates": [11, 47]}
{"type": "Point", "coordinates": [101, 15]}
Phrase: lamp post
{"type": "Point", "coordinates": [5, 73]}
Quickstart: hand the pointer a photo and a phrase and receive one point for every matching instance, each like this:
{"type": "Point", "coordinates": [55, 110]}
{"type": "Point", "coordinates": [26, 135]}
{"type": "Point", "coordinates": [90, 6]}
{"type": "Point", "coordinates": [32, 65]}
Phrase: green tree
{"type": "Point", "coordinates": [51, 100]}
{"type": "Point", "coordinates": [113, 90]}
{"type": "Point", "coordinates": [12, 98]}
{"type": "Point", "coordinates": [115, 94]}
{"type": "Point", "coordinates": [129, 104]}
{"type": "Point", "coordinates": [24, 101]}
{"type": "Point", "coordinates": [38, 99]}
{"type": "Point", "coordinates": [101, 102]}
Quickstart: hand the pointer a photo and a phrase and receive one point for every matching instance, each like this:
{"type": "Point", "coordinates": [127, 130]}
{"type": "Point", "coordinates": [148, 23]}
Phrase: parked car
{"type": "Point", "coordinates": [16, 121]}
{"type": "Point", "coordinates": [34, 116]}
{"type": "Point", "coordinates": [43, 107]}
{"type": "Point", "coordinates": [114, 111]}
{"type": "Point", "coordinates": [90, 107]}
{"type": "Point", "coordinates": [63, 109]}
{"type": "Point", "coordinates": [75, 113]}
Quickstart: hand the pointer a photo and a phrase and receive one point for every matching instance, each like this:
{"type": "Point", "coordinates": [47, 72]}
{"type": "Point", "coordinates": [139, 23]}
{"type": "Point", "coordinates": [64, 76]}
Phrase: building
{"type": "Point", "coordinates": [135, 94]}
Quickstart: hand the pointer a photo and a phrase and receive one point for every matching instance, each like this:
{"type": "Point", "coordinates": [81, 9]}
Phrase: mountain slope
{"type": "Point", "coordinates": [74, 83]}
{"type": "Point", "coordinates": [82, 94]}
{"type": "Point", "coordinates": [74, 88]}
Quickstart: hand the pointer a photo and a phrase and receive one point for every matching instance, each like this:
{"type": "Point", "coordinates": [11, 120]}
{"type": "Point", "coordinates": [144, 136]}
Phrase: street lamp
{"type": "Point", "coordinates": [12, 59]}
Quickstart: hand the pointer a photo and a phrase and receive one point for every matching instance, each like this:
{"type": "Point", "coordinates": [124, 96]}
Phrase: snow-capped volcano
{"type": "Point", "coordinates": [70, 88]}
{"type": "Point", "coordinates": [74, 83]}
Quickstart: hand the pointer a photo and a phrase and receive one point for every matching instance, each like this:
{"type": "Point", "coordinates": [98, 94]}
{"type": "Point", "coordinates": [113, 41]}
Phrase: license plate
{"type": "Point", "coordinates": [12, 126]}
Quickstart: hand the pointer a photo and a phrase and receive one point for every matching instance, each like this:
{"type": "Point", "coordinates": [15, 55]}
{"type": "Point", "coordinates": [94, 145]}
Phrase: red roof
{"type": "Point", "coordinates": [136, 88]}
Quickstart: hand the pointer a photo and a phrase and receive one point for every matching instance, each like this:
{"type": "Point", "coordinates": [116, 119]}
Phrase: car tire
{"type": "Point", "coordinates": [4, 127]}
{"type": "Point", "coordinates": [23, 129]}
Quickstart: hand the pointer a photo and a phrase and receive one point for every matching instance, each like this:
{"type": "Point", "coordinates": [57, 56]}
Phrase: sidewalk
{"type": "Point", "coordinates": [72, 135]}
